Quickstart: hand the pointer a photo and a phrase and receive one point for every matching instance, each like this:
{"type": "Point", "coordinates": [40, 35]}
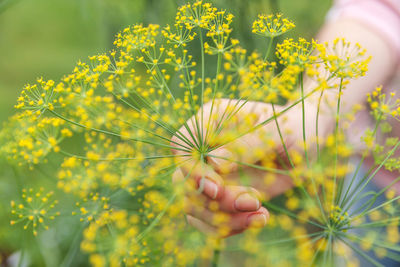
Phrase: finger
{"type": "Point", "coordinates": [204, 179]}
{"type": "Point", "coordinates": [207, 180]}
{"type": "Point", "coordinates": [244, 220]}
{"type": "Point", "coordinates": [239, 199]}
{"type": "Point", "coordinates": [230, 222]}
{"type": "Point", "coordinates": [235, 199]}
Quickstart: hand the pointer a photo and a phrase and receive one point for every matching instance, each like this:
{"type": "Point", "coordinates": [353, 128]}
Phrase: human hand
{"type": "Point", "coordinates": [225, 206]}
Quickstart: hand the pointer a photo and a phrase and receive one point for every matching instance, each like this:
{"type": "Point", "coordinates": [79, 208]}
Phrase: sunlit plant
{"type": "Point", "coordinates": [152, 105]}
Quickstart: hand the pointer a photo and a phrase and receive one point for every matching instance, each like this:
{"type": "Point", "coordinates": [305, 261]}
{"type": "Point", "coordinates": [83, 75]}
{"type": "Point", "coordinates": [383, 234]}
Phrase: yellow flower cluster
{"type": "Point", "coordinates": [28, 140]}
{"type": "Point", "coordinates": [152, 104]}
{"type": "Point", "coordinates": [34, 209]}
{"type": "Point", "coordinates": [272, 25]}
{"type": "Point", "coordinates": [296, 53]}
{"type": "Point", "coordinates": [383, 105]}
{"type": "Point", "coordinates": [342, 59]}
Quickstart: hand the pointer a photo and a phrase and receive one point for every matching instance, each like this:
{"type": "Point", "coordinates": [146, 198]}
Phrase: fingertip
{"type": "Point", "coordinates": [210, 188]}
{"type": "Point", "coordinates": [246, 202]}
{"type": "Point", "coordinates": [265, 211]}
{"type": "Point", "coordinates": [257, 220]}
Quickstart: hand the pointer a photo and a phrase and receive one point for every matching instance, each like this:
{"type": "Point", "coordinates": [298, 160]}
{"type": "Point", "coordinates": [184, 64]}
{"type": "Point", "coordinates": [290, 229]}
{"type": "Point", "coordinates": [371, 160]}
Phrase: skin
{"type": "Point", "coordinates": [241, 204]}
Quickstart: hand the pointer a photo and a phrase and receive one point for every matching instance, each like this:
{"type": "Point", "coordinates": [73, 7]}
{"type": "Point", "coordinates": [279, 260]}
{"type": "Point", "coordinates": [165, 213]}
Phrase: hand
{"type": "Point", "coordinates": [224, 207]}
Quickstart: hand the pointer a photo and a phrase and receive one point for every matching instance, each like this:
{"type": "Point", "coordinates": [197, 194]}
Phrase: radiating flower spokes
{"type": "Point", "coordinates": [34, 209]}
{"type": "Point", "coordinates": [127, 105]}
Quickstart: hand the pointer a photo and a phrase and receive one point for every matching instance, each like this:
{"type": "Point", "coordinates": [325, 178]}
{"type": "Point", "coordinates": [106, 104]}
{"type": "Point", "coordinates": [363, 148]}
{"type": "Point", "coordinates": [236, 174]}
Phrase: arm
{"type": "Point", "coordinates": [381, 68]}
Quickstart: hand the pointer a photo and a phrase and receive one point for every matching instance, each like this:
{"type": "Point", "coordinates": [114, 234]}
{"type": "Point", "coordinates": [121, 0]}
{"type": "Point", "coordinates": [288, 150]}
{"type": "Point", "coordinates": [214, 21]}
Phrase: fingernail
{"type": "Point", "coordinates": [246, 202]}
{"type": "Point", "coordinates": [210, 188]}
{"type": "Point", "coordinates": [257, 220]}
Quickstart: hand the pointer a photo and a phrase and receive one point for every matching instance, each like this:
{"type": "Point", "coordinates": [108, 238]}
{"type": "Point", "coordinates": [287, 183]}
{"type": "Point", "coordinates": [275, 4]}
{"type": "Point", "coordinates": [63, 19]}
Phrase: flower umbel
{"type": "Point", "coordinates": [35, 209]}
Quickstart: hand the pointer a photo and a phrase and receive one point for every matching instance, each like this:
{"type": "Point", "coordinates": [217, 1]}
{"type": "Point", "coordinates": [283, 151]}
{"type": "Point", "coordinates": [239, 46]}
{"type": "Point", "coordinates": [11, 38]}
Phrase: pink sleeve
{"type": "Point", "coordinates": [383, 16]}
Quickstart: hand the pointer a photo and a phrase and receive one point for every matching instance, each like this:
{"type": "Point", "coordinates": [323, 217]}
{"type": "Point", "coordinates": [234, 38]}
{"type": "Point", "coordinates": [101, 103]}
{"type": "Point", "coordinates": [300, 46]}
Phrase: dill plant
{"type": "Point", "coordinates": [149, 107]}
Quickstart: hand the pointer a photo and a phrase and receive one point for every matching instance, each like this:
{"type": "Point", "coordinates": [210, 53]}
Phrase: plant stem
{"type": "Point", "coordinates": [202, 87]}
{"type": "Point", "coordinates": [336, 141]}
{"type": "Point", "coordinates": [281, 137]}
{"type": "Point", "coordinates": [303, 115]}
{"type": "Point", "coordinates": [217, 252]}
{"type": "Point", "coordinates": [271, 41]}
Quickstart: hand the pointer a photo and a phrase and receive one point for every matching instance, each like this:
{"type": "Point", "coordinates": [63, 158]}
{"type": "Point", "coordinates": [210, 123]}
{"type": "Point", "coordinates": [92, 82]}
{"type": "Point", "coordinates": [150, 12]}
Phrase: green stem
{"type": "Point", "coordinates": [303, 115]}
{"type": "Point", "coordinates": [258, 167]}
{"type": "Point", "coordinates": [269, 48]}
{"type": "Point", "coordinates": [344, 199]}
{"type": "Point", "coordinates": [219, 62]}
{"type": "Point", "coordinates": [336, 141]}
{"type": "Point", "coordinates": [291, 214]}
{"type": "Point", "coordinates": [73, 249]}
{"type": "Point", "coordinates": [115, 134]}
{"type": "Point", "coordinates": [202, 86]}
{"type": "Point", "coordinates": [358, 190]}
{"type": "Point", "coordinates": [217, 253]}
{"type": "Point", "coordinates": [281, 137]}
{"type": "Point", "coordinates": [361, 253]}
{"type": "Point", "coordinates": [316, 126]}
{"type": "Point", "coordinates": [263, 123]}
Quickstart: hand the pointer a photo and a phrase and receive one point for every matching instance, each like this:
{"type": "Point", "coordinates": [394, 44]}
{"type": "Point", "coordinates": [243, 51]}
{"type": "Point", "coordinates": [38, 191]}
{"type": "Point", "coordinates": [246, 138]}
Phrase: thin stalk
{"type": "Point", "coordinates": [292, 165]}
{"type": "Point", "coordinates": [376, 243]}
{"type": "Point", "coordinates": [73, 249]}
{"type": "Point", "coordinates": [202, 85]}
{"type": "Point", "coordinates": [261, 124]}
{"type": "Point", "coordinates": [281, 241]}
{"type": "Point", "coordinates": [159, 136]}
{"type": "Point", "coordinates": [361, 253]}
{"type": "Point", "coordinates": [281, 137]}
{"type": "Point", "coordinates": [375, 224]}
{"type": "Point", "coordinates": [216, 254]}
{"type": "Point", "coordinates": [371, 176]}
{"type": "Point", "coordinates": [377, 207]}
{"type": "Point", "coordinates": [115, 134]}
{"type": "Point", "coordinates": [172, 132]}
{"type": "Point", "coordinates": [277, 171]}
{"type": "Point", "coordinates": [326, 251]}
{"type": "Point", "coordinates": [193, 109]}
{"type": "Point", "coordinates": [303, 116]}
{"type": "Point", "coordinates": [316, 126]}
{"type": "Point", "coordinates": [367, 205]}
{"type": "Point", "coordinates": [269, 48]}
{"type": "Point", "coordinates": [160, 215]}
{"type": "Point", "coordinates": [291, 214]}
{"type": "Point", "coordinates": [359, 165]}
{"type": "Point", "coordinates": [219, 62]}
{"type": "Point", "coordinates": [336, 140]}
{"type": "Point", "coordinates": [123, 159]}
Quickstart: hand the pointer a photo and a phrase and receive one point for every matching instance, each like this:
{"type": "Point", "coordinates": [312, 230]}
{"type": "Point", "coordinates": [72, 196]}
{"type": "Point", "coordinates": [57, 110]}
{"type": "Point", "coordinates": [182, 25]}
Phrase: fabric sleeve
{"type": "Point", "coordinates": [382, 16]}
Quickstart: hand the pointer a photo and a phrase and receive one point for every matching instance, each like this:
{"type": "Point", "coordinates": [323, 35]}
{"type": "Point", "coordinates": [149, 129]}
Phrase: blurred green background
{"type": "Point", "coordinates": [47, 37]}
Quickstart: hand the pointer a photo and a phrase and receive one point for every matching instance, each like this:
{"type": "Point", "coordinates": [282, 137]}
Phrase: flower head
{"type": "Point", "coordinates": [35, 209]}
{"type": "Point", "coordinates": [272, 25]}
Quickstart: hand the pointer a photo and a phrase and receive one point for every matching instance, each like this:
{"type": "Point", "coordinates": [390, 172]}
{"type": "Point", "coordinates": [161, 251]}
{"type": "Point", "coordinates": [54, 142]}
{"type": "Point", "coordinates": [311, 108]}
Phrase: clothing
{"type": "Point", "coordinates": [382, 16]}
